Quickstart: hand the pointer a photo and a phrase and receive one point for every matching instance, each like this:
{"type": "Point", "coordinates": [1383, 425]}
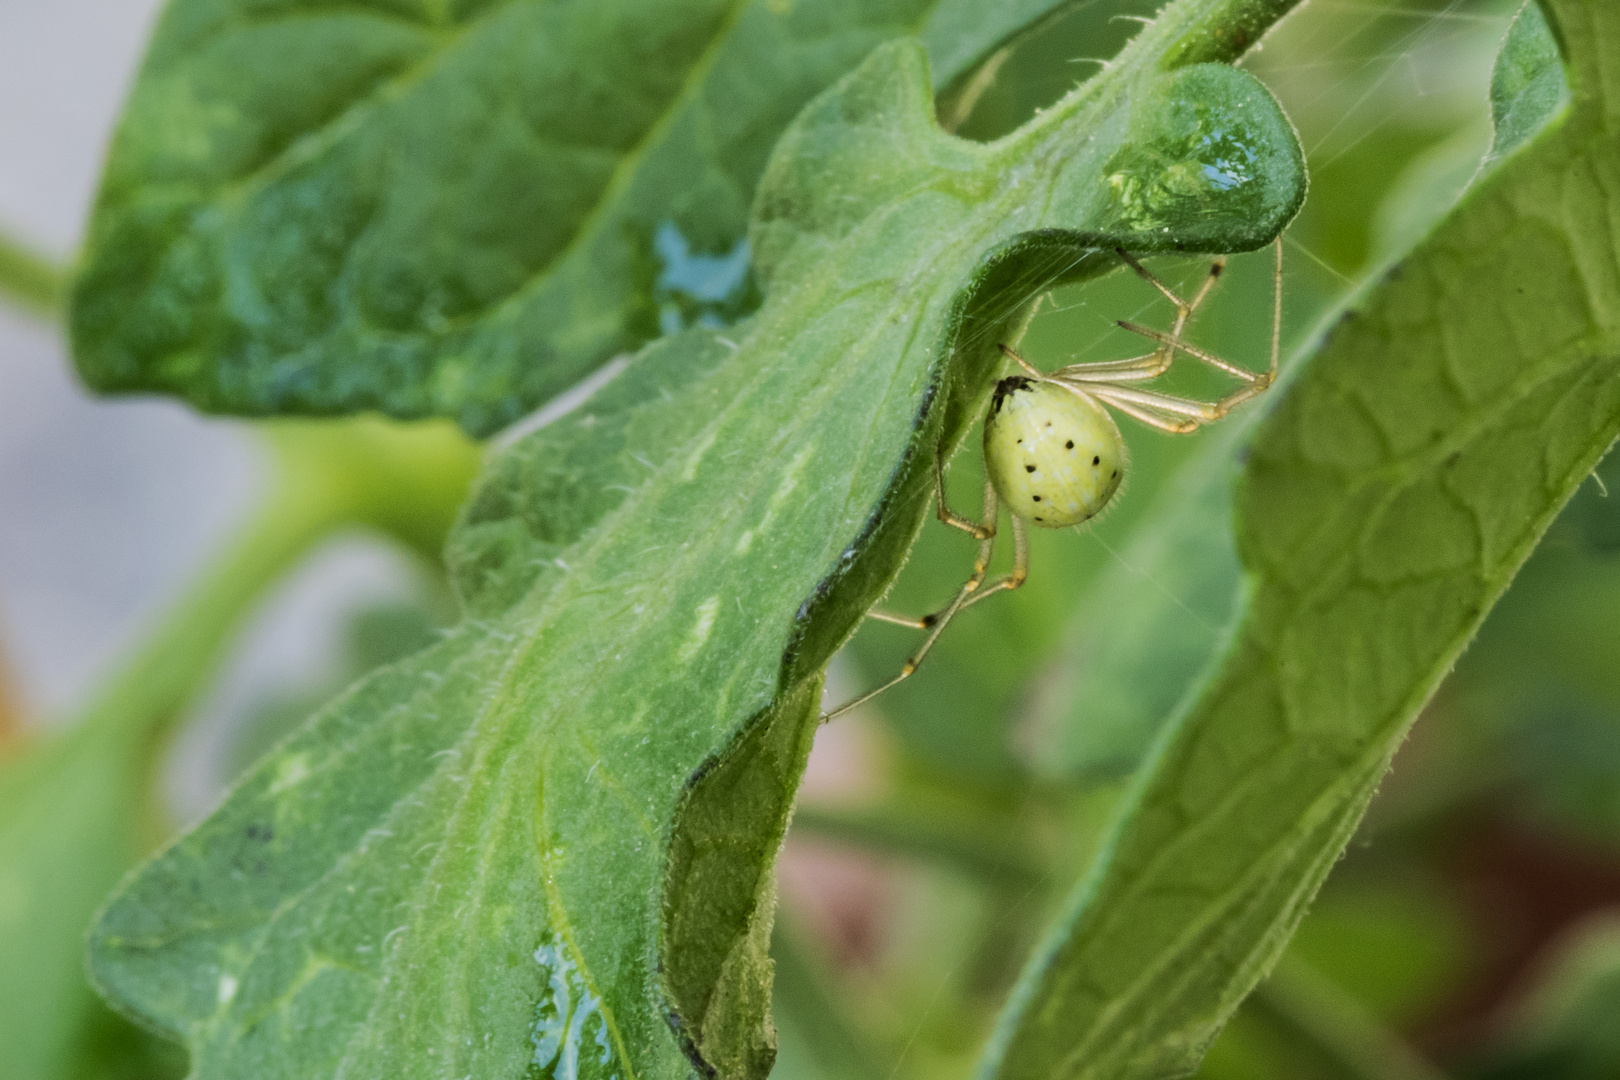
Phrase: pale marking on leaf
{"type": "Point", "coordinates": [700, 630]}
{"type": "Point", "coordinates": [790, 480]}
{"type": "Point", "coordinates": [689, 473]}
{"type": "Point", "coordinates": [292, 770]}
{"type": "Point", "coordinates": [227, 988]}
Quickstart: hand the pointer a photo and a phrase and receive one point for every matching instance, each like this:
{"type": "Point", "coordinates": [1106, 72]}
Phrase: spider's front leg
{"type": "Point", "coordinates": [964, 596]}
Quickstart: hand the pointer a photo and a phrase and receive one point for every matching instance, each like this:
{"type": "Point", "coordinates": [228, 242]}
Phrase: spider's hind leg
{"type": "Point", "coordinates": [968, 594]}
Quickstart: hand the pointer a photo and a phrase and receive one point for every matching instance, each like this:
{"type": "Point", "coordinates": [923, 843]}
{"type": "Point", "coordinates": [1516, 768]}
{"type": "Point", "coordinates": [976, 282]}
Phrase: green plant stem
{"type": "Point", "coordinates": [404, 481]}
{"type": "Point", "coordinates": [169, 669]}
{"type": "Point", "coordinates": [1224, 33]}
{"type": "Point", "coordinates": [1333, 1028]}
{"type": "Point", "coordinates": [30, 281]}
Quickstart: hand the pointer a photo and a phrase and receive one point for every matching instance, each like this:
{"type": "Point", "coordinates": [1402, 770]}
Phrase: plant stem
{"type": "Point", "coordinates": [404, 480]}
{"type": "Point", "coordinates": [29, 280]}
{"type": "Point", "coordinates": [170, 668]}
{"type": "Point", "coordinates": [1224, 33]}
{"type": "Point", "coordinates": [1335, 1029]}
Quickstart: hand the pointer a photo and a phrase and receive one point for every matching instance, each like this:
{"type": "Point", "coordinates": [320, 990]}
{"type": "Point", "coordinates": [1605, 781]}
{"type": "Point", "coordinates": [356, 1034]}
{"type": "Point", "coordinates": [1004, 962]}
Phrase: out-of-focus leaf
{"type": "Point", "coordinates": [112, 1048]}
{"type": "Point", "coordinates": [1389, 498]}
{"type": "Point", "coordinates": [975, 844]}
{"type": "Point", "coordinates": [547, 842]}
{"type": "Point", "coordinates": [452, 209]}
{"type": "Point", "coordinates": [1329, 1032]}
{"type": "Point", "coordinates": [1426, 190]}
{"type": "Point", "coordinates": [1565, 1028]}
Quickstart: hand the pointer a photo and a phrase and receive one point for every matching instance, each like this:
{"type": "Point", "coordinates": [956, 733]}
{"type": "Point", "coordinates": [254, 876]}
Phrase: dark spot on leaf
{"type": "Point", "coordinates": [1069, 445]}
{"type": "Point", "coordinates": [262, 833]}
{"type": "Point", "coordinates": [1116, 474]}
{"type": "Point", "coordinates": [1037, 498]}
{"type": "Point", "coordinates": [1096, 460]}
{"type": "Point", "coordinates": [1029, 468]}
{"type": "Point", "coordinates": [1039, 518]}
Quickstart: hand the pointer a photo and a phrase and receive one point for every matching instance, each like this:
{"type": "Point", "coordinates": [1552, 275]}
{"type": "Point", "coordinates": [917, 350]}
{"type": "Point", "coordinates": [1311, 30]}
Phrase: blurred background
{"type": "Point", "coordinates": [1472, 930]}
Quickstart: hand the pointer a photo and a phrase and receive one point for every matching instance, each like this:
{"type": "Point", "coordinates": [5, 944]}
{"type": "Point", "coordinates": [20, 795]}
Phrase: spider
{"type": "Point", "coordinates": [1054, 455]}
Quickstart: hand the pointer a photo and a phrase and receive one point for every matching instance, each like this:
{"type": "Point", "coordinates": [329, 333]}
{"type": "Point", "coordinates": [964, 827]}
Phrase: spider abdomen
{"type": "Point", "coordinates": [1055, 456]}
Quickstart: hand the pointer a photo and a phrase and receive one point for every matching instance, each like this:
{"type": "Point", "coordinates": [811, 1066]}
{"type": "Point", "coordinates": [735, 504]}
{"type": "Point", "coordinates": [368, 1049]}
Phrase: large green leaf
{"type": "Point", "coordinates": [319, 206]}
{"type": "Point", "coordinates": [1387, 502]}
{"type": "Point", "coordinates": [545, 846]}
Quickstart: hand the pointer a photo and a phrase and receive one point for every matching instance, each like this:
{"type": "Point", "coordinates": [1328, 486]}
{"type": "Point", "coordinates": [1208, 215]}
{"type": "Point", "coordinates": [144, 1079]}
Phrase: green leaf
{"type": "Point", "coordinates": [1387, 502]}
{"type": "Point", "coordinates": [548, 841]}
{"type": "Point", "coordinates": [1528, 85]}
{"type": "Point", "coordinates": [451, 209]}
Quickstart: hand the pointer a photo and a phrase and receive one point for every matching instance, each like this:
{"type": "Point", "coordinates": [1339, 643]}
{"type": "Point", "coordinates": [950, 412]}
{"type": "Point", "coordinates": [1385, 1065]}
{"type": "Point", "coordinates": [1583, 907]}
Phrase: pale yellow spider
{"type": "Point", "coordinates": [1054, 455]}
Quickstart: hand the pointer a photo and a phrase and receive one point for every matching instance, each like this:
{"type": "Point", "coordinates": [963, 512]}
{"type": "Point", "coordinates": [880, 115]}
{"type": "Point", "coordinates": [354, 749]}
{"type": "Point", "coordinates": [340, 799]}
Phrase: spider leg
{"type": "Point", "coordinates": [1136, 369]}
{"type": "Point", "coordinates": [1167, 406]}
{"type": "Point", "coordinates": [942, 508]}
{"type": "Point", "coordinates": [948, 516]}
{"type": "Point", "coordinates": [1012, 355]}
{"type": "Point", "coordinates": [1174, 343]}
{"type": "Point", "coordinates": [1184, 308]}
{"type": "Point", "coordinates": [964, 596]}
{"type": "Point", "coordinates": [1019, 573]}
{"type": "Point", "coordinates": [1166, 423]}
